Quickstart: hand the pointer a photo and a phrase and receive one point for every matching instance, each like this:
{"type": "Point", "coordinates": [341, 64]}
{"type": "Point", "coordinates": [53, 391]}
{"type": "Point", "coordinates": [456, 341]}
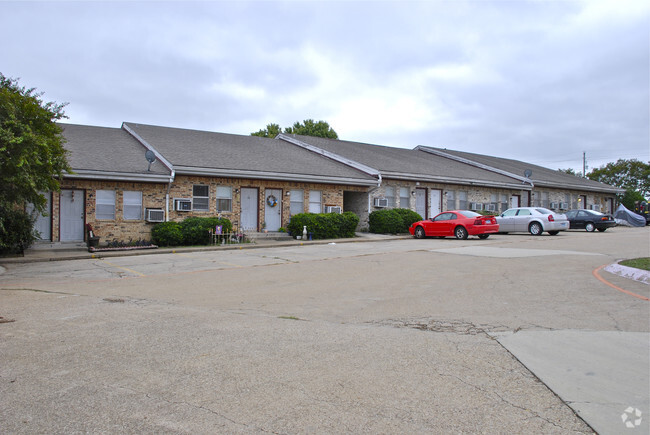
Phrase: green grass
{"type": "Point", "coordinates": [639, 263]}
{"type": "Point", "coordinates": [289, 317]}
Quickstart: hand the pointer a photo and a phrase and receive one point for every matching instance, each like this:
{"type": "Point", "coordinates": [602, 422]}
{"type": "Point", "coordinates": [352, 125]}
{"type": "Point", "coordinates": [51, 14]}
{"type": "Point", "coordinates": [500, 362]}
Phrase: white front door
{"type": "Point", "coordinates": [421, 202]}
{"type": "Point", "coordinates": [72, 215]}
{"type": "Point", "coordinates": [436, 202]}
{"type": "Point", "coordinates": [249, 209]}
{"type": "Point", "coordinates": [273, 209]}
{"type": "Point", "coordinates": [514, 201]}
{"type": "Point", "coordinates": [43, 224]}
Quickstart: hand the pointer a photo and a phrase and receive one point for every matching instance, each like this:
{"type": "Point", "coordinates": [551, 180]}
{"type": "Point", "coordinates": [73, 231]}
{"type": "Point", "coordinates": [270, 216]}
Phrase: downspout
{"type": "Point", "coordinates": [373, 190]}
{"type": "Point", "coordinates": [169, 186]}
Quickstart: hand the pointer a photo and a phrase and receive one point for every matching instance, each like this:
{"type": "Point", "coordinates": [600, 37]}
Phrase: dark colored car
{"type": "Point", "coordinates": [589, 220]}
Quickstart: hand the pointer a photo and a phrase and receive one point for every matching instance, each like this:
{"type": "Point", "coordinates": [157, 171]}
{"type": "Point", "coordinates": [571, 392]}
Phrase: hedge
{"type": "Point", "coordinates": [324, 225]}
{"type": "Point", "coordinates": [16, 230]}
{"type": "Point", "coordinates": [392, 221]}
{"type": "Point", "coordinates": [191, 231]}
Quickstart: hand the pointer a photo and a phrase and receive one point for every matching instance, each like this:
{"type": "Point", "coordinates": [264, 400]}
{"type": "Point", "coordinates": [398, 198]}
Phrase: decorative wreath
{"type": "Point", "coordinates": [271, 201]}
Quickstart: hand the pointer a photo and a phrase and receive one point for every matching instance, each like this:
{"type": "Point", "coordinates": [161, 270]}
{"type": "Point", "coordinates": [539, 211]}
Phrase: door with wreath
{"type": "Point", "coordinates": [273, 209]}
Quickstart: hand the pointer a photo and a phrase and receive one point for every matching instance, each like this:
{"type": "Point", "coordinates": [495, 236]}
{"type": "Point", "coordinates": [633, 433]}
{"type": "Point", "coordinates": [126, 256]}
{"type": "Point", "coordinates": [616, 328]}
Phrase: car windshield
{"type": "Point", "coordinates": [597, 213]}
{"type": "Point", "coordinates": [469, 214]}
{"type": "Point", "coordinates": [544, 210]}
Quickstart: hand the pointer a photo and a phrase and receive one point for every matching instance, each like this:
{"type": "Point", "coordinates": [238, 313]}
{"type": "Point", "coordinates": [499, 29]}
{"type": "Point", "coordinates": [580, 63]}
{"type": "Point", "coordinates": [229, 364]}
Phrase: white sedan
{"type": "Point", "coordinates": [534, 220]}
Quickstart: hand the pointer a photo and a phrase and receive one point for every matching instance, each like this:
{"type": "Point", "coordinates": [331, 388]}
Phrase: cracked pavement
{"type": "Point", "coordinates": [404, 336]}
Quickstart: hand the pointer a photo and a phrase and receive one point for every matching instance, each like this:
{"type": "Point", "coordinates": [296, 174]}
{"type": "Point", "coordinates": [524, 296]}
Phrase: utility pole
{"type": "Point", "coordinates": [584, 164]}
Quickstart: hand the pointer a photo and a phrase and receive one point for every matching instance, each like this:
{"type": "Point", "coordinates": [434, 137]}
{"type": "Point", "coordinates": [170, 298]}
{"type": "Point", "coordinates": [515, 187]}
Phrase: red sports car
{"type": "Point", "coordinates": [457, 223]}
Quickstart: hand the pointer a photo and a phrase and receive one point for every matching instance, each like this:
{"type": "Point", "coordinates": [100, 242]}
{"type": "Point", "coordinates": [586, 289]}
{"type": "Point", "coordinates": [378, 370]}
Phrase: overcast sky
{"type": "Point", "coordinates": [538, 81]}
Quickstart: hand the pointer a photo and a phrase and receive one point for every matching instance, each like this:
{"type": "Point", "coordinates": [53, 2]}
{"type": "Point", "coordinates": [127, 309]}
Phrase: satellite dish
{"type": "Point", "coordinates": [151, 157]}
{"type": "Point", "coordinates": [528, 173]}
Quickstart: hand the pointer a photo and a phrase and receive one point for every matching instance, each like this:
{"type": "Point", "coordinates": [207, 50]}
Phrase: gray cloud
{"type": "Point", "coordinates": [536, 81]}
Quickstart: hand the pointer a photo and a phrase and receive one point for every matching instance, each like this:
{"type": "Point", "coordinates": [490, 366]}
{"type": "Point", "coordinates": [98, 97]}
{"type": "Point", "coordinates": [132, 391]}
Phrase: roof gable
{"type": "Point", "coordinates": [222, 154]}
{"type": "Point", "coordinates": [540, 175]}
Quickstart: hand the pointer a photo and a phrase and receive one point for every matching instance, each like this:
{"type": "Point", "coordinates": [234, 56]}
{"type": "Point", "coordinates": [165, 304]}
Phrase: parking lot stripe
{"type": "Point", "coordinates": [124, 268]}
{"type": "Point", "coordinates": [604, 281]}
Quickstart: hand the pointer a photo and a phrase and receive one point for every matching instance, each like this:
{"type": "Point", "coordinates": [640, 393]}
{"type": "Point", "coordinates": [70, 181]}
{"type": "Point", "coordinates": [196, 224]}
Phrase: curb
{"type": "Point", "coordinates": [629, 272]}
{"type": "Point", "coordinates": [83, 255]}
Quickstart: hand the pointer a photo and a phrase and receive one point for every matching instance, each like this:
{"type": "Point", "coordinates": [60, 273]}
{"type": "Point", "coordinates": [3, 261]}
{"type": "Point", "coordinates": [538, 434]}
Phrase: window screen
{"type": "Point", "coordinates": [132, 205]}
{"type": "Point", "coordinates": [105, 205]}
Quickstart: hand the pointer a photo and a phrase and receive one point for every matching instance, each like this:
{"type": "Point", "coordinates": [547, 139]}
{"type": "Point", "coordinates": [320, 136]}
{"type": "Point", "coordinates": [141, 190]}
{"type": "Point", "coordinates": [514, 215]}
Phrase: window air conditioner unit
{"type": "Point", "coordinates": [381, 202]}
{"type": "Point", "coordinates": [332, 209]}
{"type": "Point", "coordinates": [564, 205]}
{"type": "Point", "coordinates": [595, 207]}
{"type": "Point", "coordinates": [491, 207]}
{"type": "Point", "coordinates": [155, 215]}
{"type": "Point", "coordinates": [475, 206]}
{"type": "Point", "coordinates": [182, 204]}
{"type": "Point", "coordinates": [554, 206]}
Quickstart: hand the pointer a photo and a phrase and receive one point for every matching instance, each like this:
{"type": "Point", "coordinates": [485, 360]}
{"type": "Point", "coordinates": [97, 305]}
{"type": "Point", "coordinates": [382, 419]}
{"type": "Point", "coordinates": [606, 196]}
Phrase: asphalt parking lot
{"type": "Point", "coordinates": [513, 334]}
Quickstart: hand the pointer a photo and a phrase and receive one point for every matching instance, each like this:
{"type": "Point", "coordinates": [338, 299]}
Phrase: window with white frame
{"type": "Point", "coordinates": [404, 197]}
{"type": "Point", "coordinates": [200, 197]}
{"type": "Point", "coordinates": [390, 195]}
{"type": "Point", "coordinates": [105, 205]}
{"type": "Point", "coordinates": [297, 202]}
{"type": "Point", "coordinates": [315, 201]}
{"type": "Point", "coordinates": [224, 198]}
{"type": "Point", "coordinates": [132, 205]}
{"type": "Point", "coordinates": [451, 200]}
{"type": "Point", "coordinates": [462, 200]}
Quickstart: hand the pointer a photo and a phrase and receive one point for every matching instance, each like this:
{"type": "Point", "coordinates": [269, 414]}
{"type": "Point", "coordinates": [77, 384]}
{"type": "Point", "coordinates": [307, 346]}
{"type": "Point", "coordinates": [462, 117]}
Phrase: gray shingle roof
{"type": "Point", "coordinates": [192, 151]}
{"type": "Point", "coordinates": [108, 150]}
{"type": "Point", "coordinates": [410, 164]}
{"type": "Point", "coordinates": [541, 176]}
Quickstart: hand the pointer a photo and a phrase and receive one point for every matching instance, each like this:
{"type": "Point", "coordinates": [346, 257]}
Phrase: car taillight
{"type": "Point", "coordinates": [551, 218]}
{"type": "Point", "coordinates": [478, 222]}
{"type": "Point", "coordinates": [604, 218]}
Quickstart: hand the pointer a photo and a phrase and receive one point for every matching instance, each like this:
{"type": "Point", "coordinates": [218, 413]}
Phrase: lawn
{"type": "Point", "coordinates": [639, 263]}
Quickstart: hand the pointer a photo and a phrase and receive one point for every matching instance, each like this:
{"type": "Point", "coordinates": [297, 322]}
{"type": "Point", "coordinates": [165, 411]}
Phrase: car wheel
{"type": "Point", "coordinates": [590, 227]}
{"type": "Point", "coordinates": [554, 233]}
{"type": "Point", "coordinates": [602, 230]}
{"type": "Point", "coordinates": [460, 233]}
{"type": "Point", "coordinates": [535, 229]}
{"type": "Point", "coordinates": [419, 233]}
{"type": "Point", "coordinates": [483, 236]}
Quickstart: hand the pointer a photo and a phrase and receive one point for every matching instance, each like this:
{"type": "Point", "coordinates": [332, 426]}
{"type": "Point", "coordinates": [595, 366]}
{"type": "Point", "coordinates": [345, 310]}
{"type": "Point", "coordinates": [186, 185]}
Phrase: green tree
{"type": "Point", "coordinates": [311, 128]}
{"type": "Point", "coordinates": [271, 130]}
{"type": "Point", "coordinates": [307, 128]}
{"type": "Point", "coordinates": [32, 158]}
{"type": "Point", "coordinates": [571, 171]}
{"type": "Point", "coordinates": [631, 175]}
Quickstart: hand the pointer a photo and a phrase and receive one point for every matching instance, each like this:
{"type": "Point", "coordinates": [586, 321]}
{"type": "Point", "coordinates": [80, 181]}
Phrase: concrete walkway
{"type": "Point", "coordinates": [583, 369]}
{"type": "Point", "coordinates": [42, 252]}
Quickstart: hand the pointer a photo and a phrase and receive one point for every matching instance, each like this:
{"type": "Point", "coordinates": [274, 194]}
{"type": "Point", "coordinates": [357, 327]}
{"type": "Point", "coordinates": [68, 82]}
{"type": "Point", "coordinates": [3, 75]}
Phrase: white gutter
{"type": "Point", "coordinates": [473, 163]}
{"type": "Point", "coordinates": [240, 173]}
{"type": "Point", "coordinates": [117, 176]}
{"type": "Point", "coordinates": [330, 155]}
{"type": "Point", "coordinates": [453, 180]}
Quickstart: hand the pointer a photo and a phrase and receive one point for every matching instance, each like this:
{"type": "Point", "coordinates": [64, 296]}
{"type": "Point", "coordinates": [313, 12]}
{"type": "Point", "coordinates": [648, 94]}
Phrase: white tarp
{"type": "Point", "coordinates": [624, 216]}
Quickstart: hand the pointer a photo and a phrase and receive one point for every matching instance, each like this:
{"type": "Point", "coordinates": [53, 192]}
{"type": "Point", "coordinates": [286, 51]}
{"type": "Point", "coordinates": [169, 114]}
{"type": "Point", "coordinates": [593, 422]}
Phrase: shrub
{"type": "Point", "coordinates": [16, 230]}
{"type": "Point", "coordinates": [393, 221]}
{"type": "Point", "coordinates": [324, 225]}
{"type": "Point", "coordinates": [384, 222]}
{"type": "Point", "coordinates": [408, 217]}
{"type": "Point", "coordinates": [486, 212]}
{"type": "Point", "coordinates": [167, 234]}
{"type": "Point", "coordinates": [191, 231]}
{"type": "Point", "coordinates": [196, 229]}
